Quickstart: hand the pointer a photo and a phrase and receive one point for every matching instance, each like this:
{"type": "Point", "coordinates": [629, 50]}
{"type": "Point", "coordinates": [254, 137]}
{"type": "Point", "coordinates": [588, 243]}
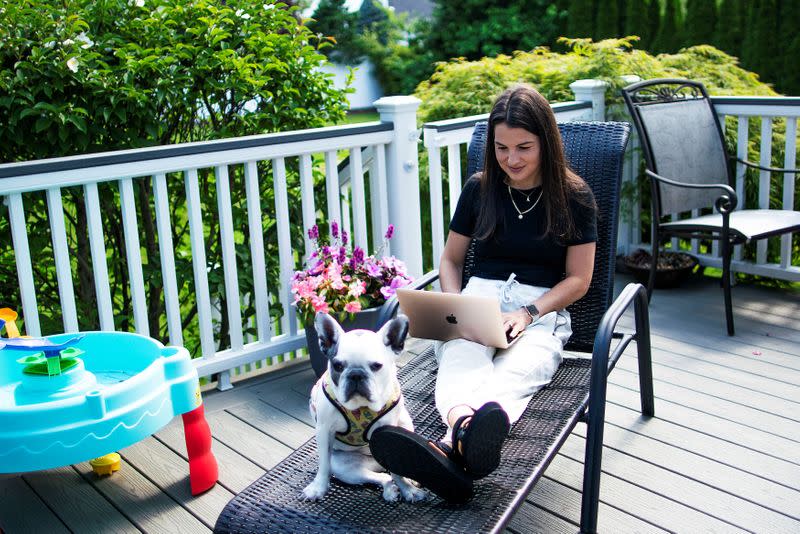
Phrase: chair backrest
{"type": "Point", "coordinates": [594, 150]}
{"type": "Point", "coordinates": [681, 139]}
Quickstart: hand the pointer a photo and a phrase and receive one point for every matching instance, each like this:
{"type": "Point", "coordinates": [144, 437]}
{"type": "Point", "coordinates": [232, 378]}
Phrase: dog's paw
{"type": "Point", "coordinates": [391, 493]}
{"type": "Point", "coordinates": [315, 491]}
{"type": "Point", "coordinates": [412, 493]}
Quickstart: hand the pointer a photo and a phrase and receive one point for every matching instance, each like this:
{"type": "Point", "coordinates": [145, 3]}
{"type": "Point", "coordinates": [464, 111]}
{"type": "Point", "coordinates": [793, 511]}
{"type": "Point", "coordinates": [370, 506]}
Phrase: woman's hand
{"type": "Point", "coordinates": [516, 321]}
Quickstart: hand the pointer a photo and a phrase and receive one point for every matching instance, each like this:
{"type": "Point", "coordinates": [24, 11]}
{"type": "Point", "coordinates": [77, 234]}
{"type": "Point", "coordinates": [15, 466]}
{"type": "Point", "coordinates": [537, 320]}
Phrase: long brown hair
{"type": "Point", "coordinates": [522, 106]}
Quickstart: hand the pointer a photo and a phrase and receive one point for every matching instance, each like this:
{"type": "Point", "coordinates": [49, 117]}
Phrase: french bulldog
{"type": "Point", "coordinates": [357, 394]}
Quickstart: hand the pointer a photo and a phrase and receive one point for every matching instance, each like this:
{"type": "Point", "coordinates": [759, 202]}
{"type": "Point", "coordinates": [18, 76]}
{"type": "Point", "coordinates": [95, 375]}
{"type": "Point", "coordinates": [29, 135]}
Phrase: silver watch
{"type": "Point", "coordinates": [533, 312]}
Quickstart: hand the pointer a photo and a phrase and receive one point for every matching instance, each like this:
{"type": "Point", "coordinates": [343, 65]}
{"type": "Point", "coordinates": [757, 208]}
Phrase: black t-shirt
{"type": "Point", "coordinates": [518, 246]}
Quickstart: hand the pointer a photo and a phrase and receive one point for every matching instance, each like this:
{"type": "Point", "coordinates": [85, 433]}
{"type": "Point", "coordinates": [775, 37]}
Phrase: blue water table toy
{"type": "Point", "coordinates": [70, 398]}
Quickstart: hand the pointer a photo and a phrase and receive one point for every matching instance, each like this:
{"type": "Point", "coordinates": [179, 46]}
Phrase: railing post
{"type": "Point", "coordinates": [593, 91]}
{"type": "Point", "coordinates": [402, 179]}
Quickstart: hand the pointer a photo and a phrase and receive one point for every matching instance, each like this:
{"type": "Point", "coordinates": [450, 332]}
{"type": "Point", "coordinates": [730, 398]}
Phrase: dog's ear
{"type": "Point", "coordinates": [394, 333]}
{"type": "Point", "coordinates": [328, 334]}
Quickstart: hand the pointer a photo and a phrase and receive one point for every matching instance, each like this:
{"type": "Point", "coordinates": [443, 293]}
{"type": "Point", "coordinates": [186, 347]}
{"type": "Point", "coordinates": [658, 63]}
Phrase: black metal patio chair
{"type": "Point", "coordinates": [576, 394]}
{"type": "Point", "coordinates": [689, 169]}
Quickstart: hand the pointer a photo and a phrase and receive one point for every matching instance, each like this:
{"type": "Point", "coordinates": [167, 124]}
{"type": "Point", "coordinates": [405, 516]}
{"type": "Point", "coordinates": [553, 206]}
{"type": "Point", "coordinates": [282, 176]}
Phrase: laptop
{"type": "Point", "coordinates": [446, 316]}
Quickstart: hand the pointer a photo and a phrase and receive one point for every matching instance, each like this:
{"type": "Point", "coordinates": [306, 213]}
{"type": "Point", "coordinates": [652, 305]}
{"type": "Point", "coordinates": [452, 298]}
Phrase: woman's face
{"type": "Point", "coordinates": [518, 152]}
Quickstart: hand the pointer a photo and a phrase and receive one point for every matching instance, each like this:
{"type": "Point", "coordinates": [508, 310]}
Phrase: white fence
{"type": "Point", "coordinates": [381, 185]}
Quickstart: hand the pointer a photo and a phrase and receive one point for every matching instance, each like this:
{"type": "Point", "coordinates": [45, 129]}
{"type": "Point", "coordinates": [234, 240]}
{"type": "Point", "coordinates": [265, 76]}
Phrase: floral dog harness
{"type": "Point", "coordinates": [360, 420]}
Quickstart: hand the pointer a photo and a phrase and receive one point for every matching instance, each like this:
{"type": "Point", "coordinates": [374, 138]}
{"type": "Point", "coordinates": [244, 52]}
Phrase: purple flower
{"type": "Point", "coordinates": [357, 258]}
{"type": "Point", "coordinates": [344, 238]}
{"type": "Point", "coordinates": [342, 255]}
{"type": "Point", "coordinates": [373, 270]}
{"type": "Point", "coordinates": [335, 229]}
{"type": "Point", "coordinates": [313, 233]}
{"type": "Point", "coordinates": [389, 232]}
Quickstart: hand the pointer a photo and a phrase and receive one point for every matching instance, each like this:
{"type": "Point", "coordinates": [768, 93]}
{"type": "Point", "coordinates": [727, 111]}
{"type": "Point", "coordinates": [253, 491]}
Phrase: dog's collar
{"type": "Point", "coordinates": [360, 420]}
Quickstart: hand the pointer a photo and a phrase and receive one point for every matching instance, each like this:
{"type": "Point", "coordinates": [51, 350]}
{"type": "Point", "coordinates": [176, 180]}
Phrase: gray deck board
{"type": "Point", "coordinates": [81, 507]}
{"type": "Point", "coordinates": [721, 455]}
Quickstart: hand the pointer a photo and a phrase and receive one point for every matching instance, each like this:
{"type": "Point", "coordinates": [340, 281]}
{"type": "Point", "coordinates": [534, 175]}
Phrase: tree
{"type": "Point", "coordinates": [581, 18]}
{"type": "Point", "coordinates": [337, 28]}
{"type": "Point", "coordinates": [701, 21]}
{"type": "Point", "coordinates": [608, 17]}
{"type": "Point", "coordinates": [638, 21]}
{"type": "Point", "coordinates": [730, 27]}
{"type": "Point", "coordinates": [668, 37]}
{"type": "Point", "coordinates": [477, 28]}
{"type": "Point", "coordinates": [89, 76]}
{"type": "Point", "coordinates": [654, 17]}
{"type": "Point", "coordinates": [789, 79]}
{"type": "Point", "coordinates": [760, 51]}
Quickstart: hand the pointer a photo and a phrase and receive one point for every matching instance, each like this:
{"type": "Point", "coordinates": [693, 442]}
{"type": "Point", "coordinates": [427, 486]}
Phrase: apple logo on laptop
{"type": "Point", "coordinates": [451, 319]}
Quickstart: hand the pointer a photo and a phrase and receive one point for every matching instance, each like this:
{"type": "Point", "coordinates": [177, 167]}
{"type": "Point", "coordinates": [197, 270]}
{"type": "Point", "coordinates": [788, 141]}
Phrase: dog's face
{"type": "Point", "coordinates": [362, 362]}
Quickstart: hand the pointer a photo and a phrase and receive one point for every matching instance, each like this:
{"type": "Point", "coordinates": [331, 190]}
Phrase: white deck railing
{"type": "Point", "coordinates": [180, 166]}
{"type": "Point", "coordinates": [382, 158]}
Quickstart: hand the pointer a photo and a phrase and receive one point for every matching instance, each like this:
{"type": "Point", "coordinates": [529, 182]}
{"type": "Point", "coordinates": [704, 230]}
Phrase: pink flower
{"type": "Point", "coordinates": [357, 288]}
{"type": "Point", "coordinates": [352, 307]}
{"type": "Point", "coordinates": [319, 304]}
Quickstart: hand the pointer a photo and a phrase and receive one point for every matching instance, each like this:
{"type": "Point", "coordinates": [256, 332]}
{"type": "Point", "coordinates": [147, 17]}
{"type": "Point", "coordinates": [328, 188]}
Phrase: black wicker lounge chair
{"type": "Point", "coordinates": [576, 394]}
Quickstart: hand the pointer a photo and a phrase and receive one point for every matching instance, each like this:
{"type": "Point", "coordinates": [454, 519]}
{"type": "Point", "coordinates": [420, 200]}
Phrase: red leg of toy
{"type": "Point", "coordinates": [203, 471]}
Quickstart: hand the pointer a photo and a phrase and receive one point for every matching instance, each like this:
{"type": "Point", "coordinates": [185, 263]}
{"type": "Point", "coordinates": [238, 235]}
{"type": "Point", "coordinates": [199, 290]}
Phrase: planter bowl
{"type": "Point", "coordinates": [672, 274]}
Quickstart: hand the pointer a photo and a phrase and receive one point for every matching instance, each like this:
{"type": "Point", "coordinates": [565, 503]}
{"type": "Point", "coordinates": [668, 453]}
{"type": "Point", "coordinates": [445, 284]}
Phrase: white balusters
{"type": "Point", "coordinates": [97, 245]}
{"type": "Point", "coordinates": [359, 199]}
{"type": "Point", "coordinates": [288, 321]}
{"type": "Point", "coordinates": [764, 178]}
{"type": "Point", "coordinates": [199, 266]}
{"type": "Point", "coordinates": [55, 212]}
{"type": "Point", "coordinates": [454, 175]}
{"type": "Point", "coordinates": [19, 235]}
{"type": "Point", "coordinates": [378, 200]}
{"type": "Point", "coordinates": [167, 255]}
{"type": "Point", "coordinates": [789, 162]}
{"type": "Point", "coordinates": [133, 255]}
{"type": "Point", "coordinates": [253, 193]}
{"type": "Point", "coordinates": [307, 198]}
{"type": "Point", "coordinates": [234, 309]}
{"type": "Point", "coordinates": [332, 186]}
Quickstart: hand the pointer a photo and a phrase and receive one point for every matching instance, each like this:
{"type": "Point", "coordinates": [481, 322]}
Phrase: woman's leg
{"type": "Point", "coordinates": [465, 367]}
{"type": "Point", "coordinates": [529, 364]}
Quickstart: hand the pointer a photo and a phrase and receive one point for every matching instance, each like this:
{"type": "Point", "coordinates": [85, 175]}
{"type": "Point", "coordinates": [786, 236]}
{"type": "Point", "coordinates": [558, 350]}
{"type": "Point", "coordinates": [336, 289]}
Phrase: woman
{"type": "Point", "coordinates": [535, 226]}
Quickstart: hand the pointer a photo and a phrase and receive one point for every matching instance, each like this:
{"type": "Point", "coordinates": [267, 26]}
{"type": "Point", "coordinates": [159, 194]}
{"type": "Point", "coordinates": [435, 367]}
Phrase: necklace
{"type": "Point", "coordinates": [520, 213]}
{"type": "Point", "coordinates": [528, 196]}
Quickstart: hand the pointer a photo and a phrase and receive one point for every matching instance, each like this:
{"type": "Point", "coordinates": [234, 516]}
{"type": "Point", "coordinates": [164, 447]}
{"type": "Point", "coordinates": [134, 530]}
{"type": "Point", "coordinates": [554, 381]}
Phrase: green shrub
{"type": "Point", "coordinates": [459, 87]}
{"type": "Point", "coordinates": [98, 75]}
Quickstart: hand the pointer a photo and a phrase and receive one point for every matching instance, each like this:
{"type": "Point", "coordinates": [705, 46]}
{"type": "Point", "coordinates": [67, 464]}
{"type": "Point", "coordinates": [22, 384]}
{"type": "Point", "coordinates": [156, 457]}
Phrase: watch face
{"type": "Point", "coordinates": [532, 309]}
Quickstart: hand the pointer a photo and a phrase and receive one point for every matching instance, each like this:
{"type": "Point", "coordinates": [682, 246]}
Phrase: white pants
{"type": "Point", "coordinates": [472, 374]}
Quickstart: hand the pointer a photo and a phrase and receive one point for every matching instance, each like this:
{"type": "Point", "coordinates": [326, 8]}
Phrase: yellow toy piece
{"type": "Point", "coordinates": [9, 316]}
{"type": "Point", "coordinates": [106, 465]}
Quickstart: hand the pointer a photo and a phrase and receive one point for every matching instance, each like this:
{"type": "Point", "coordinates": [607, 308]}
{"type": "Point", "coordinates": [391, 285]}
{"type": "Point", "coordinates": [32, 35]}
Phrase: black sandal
{"type": "Point", "coordinates": [433, 465]}
{"type": "Point", "coordinates": [479, 442]}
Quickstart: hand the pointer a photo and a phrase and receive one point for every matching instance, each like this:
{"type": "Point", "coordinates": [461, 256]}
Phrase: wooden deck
{"type": "Point", "coordinates": [721, 455]}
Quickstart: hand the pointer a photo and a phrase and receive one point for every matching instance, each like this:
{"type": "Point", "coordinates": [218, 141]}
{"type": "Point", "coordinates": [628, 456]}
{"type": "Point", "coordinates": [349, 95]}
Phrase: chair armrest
{"type": "Point", "coordinates": [603, 359]}
{"type": "Point", "coordinates": [762, 168]}
{"type": "Point", "coordinates": [726, 202]}
{"type": "Point", "coordinates": [389, 308]}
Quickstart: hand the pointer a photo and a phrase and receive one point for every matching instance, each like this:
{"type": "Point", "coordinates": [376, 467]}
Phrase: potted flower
{"type": "Point", "coordinates": [346, 283]}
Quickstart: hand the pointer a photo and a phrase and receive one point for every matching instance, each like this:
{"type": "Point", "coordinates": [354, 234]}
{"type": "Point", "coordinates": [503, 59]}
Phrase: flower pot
{"type": "Point", "coordinates": [365, 319]}
{"type": "Point", "coordinates": [672, 270]}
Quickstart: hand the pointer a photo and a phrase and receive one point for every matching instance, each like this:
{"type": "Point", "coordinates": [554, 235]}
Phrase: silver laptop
{"type": "Point", "coordinates": [446, 316]}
